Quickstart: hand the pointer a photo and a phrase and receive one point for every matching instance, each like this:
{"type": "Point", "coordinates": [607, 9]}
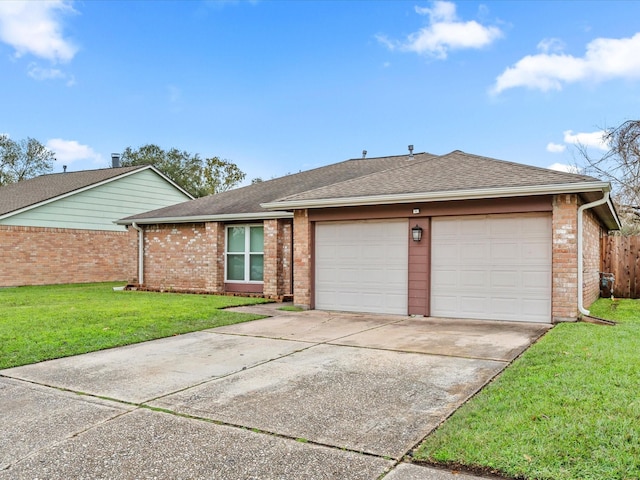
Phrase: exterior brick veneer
{"type": "Point", "coordinates": [277, 257]}
{"type": "Point", "coordinates": [592, 235]}
{"type": "Point", "coordinates": [302, 282]}
{"type": "Point", "coordinates": [565, 258]}
{"type": "Point", "coordinates": [189, 257]}
{"type": "Point", "coordinates": [44, 255]}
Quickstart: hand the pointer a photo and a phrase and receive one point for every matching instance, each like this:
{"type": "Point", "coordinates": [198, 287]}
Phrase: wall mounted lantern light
{"type": "Point", "coordinates": [416, 233]}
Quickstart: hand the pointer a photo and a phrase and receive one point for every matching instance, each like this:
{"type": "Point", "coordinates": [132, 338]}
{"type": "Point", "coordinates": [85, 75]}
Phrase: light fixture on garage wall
{"type": "Point", "coordinates": [416, 233]}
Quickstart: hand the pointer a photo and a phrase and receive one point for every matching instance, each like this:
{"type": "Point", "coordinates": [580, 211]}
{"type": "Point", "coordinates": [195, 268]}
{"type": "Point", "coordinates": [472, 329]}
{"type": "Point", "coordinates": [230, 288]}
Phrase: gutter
{"type": "Point", "coordinates": [140, 253]}
{"type": "Point", "coordinates": [581, 209]}
{"type": "Point", "coordinates": [227, 217]}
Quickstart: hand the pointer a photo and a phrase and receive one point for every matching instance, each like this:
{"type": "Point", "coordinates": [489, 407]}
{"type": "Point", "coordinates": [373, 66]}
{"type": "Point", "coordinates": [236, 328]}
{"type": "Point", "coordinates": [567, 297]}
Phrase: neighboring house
{"type": "Point", "coordinates": [498, 240]}
{"type": "Point", "coordinates": [60, 228]}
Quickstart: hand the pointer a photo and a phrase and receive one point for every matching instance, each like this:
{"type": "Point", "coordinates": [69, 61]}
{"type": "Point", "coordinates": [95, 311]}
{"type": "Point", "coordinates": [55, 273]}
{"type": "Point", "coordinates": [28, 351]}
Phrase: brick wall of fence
{"type": "Point", "coordinates": [621, 256]}
{"type": "Point", "coordinates": [42, 255]}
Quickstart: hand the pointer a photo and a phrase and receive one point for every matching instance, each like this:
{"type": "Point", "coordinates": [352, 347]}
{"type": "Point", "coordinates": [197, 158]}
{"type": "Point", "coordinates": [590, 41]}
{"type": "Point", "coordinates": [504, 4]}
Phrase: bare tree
{"type": "Point", "coordinates": [620, 166]}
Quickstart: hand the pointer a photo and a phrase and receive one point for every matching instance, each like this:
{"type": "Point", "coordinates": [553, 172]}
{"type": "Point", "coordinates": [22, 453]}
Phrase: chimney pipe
{"type": "Point", "coordinates": [410, 151]}
{"type": "Point", "coordinates": [364, 154]}
{"type": "Point", "coordinates": [115, 160]}
{"type": "Point", "coordinates": [64, 169]}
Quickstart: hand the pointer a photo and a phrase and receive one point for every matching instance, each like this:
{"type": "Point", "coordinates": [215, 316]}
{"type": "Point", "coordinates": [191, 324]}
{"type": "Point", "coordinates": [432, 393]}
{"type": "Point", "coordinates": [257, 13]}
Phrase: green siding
{"type": "Point", "coordinates": [98, 207]}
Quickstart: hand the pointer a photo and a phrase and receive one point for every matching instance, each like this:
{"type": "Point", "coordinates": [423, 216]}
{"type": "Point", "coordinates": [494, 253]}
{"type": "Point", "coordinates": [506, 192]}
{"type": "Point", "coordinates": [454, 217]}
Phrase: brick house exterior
{"type": "Point", "coordinates": [60, 228]}
{"type": "Point", "coordinates": [186, 246]}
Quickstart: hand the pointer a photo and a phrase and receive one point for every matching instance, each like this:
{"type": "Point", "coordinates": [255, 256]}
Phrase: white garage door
{"type": "Point", "coordinates": [495, 267]}
{"type": "Point", "coordinates": [362, 266]}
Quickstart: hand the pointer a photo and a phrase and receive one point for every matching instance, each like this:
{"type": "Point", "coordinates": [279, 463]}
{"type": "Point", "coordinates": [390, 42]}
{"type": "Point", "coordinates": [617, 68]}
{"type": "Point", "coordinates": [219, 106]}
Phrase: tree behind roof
{"type": "Point", "coordinates": [23, 159]}
{"type": "Point", "coordinates": [199, 177]}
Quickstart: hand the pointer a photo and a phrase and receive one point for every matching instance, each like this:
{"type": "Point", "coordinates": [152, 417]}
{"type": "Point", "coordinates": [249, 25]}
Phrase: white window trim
{"type": "Point", "coordinates": [247, 253]}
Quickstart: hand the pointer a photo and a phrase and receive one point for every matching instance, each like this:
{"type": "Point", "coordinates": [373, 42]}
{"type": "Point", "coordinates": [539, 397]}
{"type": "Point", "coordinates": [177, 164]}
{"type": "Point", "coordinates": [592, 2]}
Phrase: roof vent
{"type": "Point", "coordinates": [410, 151]}
{"type": "Point", "coordinates": [115, 160]}
{"type": "Point", "coordinates": [64, 169]}
{"type": "Point", "coordinates": [364, 154]}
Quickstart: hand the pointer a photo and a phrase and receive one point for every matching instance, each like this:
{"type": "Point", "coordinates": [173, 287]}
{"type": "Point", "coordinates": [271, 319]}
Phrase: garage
{"type": "Point", "coordinates": [495, 267]}
{"type": "Point", "coordinates": [362, 266]}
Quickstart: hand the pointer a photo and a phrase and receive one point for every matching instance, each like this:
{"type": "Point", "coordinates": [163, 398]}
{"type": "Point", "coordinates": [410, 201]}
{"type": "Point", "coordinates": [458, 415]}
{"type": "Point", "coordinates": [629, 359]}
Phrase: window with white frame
{"type": "Point", "coordinates": [244, 253]}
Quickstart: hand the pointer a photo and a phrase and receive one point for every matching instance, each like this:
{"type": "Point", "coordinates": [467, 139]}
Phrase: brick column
{"type": "Point", "coordinates": [565, 258]}
{"type": "Point", "coordinates": [271, 257]}
{"type": "Point", "coordinates": [284, 254]}
{"type": "Point", "coordinates": [302, 259]}
{"type": "Point", "coordinates": [214, 253]}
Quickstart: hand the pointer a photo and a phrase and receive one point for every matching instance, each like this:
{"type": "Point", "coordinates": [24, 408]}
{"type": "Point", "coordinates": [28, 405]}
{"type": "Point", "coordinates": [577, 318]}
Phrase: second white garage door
{"type": "Point", "coordinates": [362, 266]}
{"type": "Point", "coordinates": [495, 267]}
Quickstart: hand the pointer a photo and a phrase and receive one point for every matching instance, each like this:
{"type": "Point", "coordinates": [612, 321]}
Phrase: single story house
{"type": "Point", "coordinates": [455, 235]}
{"type": "Point", "coordinates": [59, 228]}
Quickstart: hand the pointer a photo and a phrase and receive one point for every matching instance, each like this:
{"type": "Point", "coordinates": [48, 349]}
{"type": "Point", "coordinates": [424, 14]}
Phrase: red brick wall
{"type": "Point", "coordinates": [183, 257]}
{"type": "Point", "coordinates": [43, 256]}
{"type": "Point", "coordinates": [190, 257]}
{"type": "Point", "coordinates": [302, 252]}
{"type": "Point", "coordinates": [565, 258]}
{"type": "Point", "coordinates": [277, 257]}
{"type": "Point", "coordinates": [592, 261]}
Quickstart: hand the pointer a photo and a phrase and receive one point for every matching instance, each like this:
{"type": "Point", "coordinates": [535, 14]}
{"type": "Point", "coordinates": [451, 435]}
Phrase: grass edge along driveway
{"type": "Point", "coordinates": [568, 408]}
{"type": "Point", "coordinates": [46, 322]}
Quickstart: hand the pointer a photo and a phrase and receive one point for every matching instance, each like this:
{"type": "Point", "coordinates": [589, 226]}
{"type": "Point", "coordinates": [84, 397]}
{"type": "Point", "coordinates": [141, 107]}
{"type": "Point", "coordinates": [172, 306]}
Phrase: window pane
{"type": "Point", "coordinates": [235, 267]}
{"type": "Point", "coordinates": [256, 262]}
{"type": "Point", "coordinates": [257, 239]}
{"type": "Point", "coordinates": [235, 239]}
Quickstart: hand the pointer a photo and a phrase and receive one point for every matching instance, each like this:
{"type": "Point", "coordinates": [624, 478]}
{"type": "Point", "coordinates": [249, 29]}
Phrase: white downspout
{"type": "Point", "coordinates": [140, 253]}
{"type": "Point", "coordinates": [581, 209]}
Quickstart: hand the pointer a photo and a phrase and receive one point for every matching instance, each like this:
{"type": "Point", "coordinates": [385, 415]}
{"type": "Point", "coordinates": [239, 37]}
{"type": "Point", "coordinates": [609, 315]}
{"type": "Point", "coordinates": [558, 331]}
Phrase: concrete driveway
{"type": "Point", "coordinates": [299, 395]}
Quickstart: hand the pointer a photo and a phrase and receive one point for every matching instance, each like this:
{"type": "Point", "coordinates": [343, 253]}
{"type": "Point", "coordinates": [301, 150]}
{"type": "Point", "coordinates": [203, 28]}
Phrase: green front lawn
{"type": "Point", "coordinates": [41, 323]}
{"type": "Point", "coordinates": [569, 408]}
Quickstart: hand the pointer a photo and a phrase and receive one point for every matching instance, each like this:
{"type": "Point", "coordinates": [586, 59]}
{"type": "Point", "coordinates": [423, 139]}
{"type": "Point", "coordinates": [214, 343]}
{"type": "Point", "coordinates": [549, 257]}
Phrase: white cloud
{"type": "Point", "coordinates": [604, 59]}
{"type": "Point", "coordinates": [38, 73]}
{"type": "Point", "coordinates": [561, 167]}
{"type": "Point", "coordinates": [444, 32]}
{"type": "Point", "coordinates": [591, 139]}
{"type": "Point", "coordinates": [69, 151]}
{"type": "Point", "coordinates": [551, 45]}
{"type": "Point", "coordinates": [35, 28]}
{"type": "Point", "coordinates": [555, 148]}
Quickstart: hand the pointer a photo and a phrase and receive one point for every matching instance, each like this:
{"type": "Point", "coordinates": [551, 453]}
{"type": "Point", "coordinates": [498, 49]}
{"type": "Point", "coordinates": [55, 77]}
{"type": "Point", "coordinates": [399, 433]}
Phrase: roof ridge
{"type": "Point", "coordinates": [525, 165]}
{"type": "Point", "coordinates": [431, 156]}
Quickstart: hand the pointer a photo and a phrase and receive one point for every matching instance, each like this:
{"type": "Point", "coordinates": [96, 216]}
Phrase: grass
{"type": "Point", "coordinates": [291, 308]}
{"type": "Point", "coordinates": [567, 409]}
{"type": "Point", "coordinates": [46, 322]}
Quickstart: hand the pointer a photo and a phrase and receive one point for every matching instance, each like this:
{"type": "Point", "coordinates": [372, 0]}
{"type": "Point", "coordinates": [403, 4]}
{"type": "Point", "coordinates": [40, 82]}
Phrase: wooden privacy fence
{"type": "Point", "coordinates": [621, 256]}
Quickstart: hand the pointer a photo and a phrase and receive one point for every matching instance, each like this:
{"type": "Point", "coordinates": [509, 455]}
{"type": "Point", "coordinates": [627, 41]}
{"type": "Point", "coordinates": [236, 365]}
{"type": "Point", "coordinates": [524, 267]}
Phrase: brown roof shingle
{"type": "Point", "coordinates": [395, 175]}
{"type": "Point", "coordinates": [248, 199]}
{"type": "Point", "coordinates": [447, 173]}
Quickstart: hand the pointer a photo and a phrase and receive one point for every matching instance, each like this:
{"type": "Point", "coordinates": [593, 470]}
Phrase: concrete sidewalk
{"type": "Point", "coordinates": [299, 395]}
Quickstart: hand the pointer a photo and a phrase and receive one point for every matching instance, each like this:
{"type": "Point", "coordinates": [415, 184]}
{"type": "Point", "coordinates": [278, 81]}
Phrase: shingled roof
{"type": "Point", "coordinates": [27, 193]}
{"type": "Point", "coordinates": [246, 201]}
{"type": "Point", "coordinates": [454, 172]}
{"type": "Point", "coordinates": [395, 179]}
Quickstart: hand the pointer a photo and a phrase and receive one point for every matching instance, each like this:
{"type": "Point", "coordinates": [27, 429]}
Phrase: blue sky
{"type": "Point", "coordinates": [283, 86]}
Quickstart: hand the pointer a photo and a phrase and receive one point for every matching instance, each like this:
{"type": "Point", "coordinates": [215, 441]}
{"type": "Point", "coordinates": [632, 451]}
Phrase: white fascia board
{"type": "Point", "coordinates": [229, 217]}
{"type": "Point", "coordinates": [84, 189]}
{"type": "Point", "coordinates": [440, 196]}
